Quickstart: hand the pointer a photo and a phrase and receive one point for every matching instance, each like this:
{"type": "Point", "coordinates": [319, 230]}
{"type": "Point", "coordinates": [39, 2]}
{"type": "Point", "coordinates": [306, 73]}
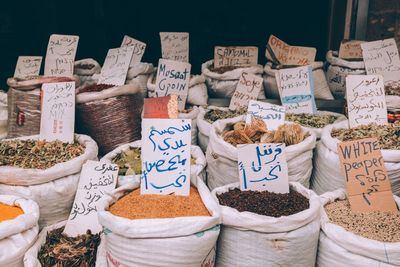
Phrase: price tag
{"type": "Point", "coordinates": [175, 46]}
{"type": "Point", "coordinates": [247, 89]}
{"type": "Point", "coordinates": [138, 49]}
{"type": "Point", "coordinates": [263, 167]}
{"type": "Point", "coordinates": [166, 156]}
{"type": "Point", "coordinates": [281, 53]}
{"type": "Point", "coordinates": [367, 181]}
{"type": "Point", "coordinates": [96, 179]}
{"type": "Point", "coordinates": [237, 56]}
{"type": "Point", "coordinates": [382, 57]}
{"type": "Point", "coordinates": [57, 119]}
{"type": "Point", "coordinates": [173, 79]}
{"type": "Point", "coordinates": [116, 66]}
{"type": "Point", "coordinates": [296, 88]}
{"type": "Point", "coordinates": [366, 102]}
{"type": "Point", "coordinates": [272, 115]}
{"type": "Point", "coordinates": [165, 107]}
{"type": "Point", "coordinates": [27, 66]}
{"type": "Point", "coordinates": [60, 55]}
{"type": "Point", "coordinates": [350, 49]}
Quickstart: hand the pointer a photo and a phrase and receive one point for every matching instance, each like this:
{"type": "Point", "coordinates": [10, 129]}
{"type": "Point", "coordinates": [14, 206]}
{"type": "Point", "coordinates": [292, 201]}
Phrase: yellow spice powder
{"type": "Point", "coordinates": [8, 212]}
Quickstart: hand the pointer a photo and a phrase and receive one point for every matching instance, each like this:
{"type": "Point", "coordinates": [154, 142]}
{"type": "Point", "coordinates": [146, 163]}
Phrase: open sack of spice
{"type": "Point", "coordinates": [327, 175]}
{"type": "Point", "coordinates": [222, 154]}
{"type": "Point", "coordinates": [180, 230]}
{"type": "Point", "coordinates": [18, 228]}
{"type": "Point", "coordinates": [362, 239]}
{"type": "Point", "coordinates": [85, 69]}
{"type": "Point", "coordinates": [264, 228]}
{"type": "Point", "coordinates": [128, 159]}
{"type": "Point", "coordinates": [392, 96]}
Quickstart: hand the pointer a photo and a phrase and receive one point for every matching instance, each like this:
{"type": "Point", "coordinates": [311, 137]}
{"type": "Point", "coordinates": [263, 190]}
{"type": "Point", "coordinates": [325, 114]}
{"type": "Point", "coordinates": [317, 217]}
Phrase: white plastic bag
{"type": "Point", "coordinates": [182, 241]}
{"type": "Point", "coordinates": [204, 126]}
{"type": "Point", "coordinates": [17, 235]}
{"type": "Point", "coordinates": [139, 74]}
{"type": "Point", "coordinates": [222, 158]}
{"type": "Point", "coordinates": [249, 239]}
{"type": "Point", "coordinates": [339, 247]}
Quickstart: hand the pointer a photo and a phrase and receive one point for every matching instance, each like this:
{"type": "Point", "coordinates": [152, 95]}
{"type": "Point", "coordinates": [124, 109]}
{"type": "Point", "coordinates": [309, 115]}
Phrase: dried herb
{"type": "Point", "coordinates": [392, 88]}
{"type": "Point", "coordinates": [223, 69]}
{"type": "Point", "coordinates": [216, 114]}
{"type": "Point", "coordinates": [311, 120]}
{"type": "Point", "coordinates": [60, 250]}
{"type": "Point", "coordinates": [387, 135]}
{"type": "Point", "coordinates": [34, 154]}
{"type": "Point", "coordinates": [95, 88]}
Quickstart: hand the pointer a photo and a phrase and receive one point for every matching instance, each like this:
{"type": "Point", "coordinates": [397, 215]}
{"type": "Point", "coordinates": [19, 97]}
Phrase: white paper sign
{"type": "Point", "coordinates": [138, 49]}
{"type": "Point", "coordinates": [239, 56]}
{"type": "Point", "coordinates": [263, 167]}
{"type": "Point", "coordinates": [366, 102]}
{"type": "Point", "coordinates": [116, 66]}
{"type": "Point", "coordinates": [166, 156]}
{"type": "Point", "coordinates": [382, 57]}
{"type": "Point", "coordinates": [173, 79]}
{"type": "Point", "coordinates": [247, 89]}
{"type": "Point", "coordinates": [272, 115]}
{"type": "Point", "coordinates": [96, 179]}
{"type": "Point", "coordinates": [175, 46]}
{"type": "Point", "coordinates": [27, 66]}
{"type": "Point", "coordinates": [296, 88]}
{"type": "Point", "coordinates": [60, 55]}
{"type": "Point", "coordinates": [57, 119]}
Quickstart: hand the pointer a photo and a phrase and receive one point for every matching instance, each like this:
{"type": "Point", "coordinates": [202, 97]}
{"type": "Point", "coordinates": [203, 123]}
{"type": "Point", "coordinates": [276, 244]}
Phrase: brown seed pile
{"type": "Point", "coordinates": [136, 206]}
{"type": "Point", "coordinates": [95, 88]}
{"type": "Point", "coordinates": [380, 226]}
{"type": "Point", "coordinates": [392, 88]}
{"type": "Point", "coordinates": [311, 120]}
{"type": "Point", "coordinates": [265, 203]}
{"type": "Point", "coordinates": [216, 114]}
{"type": "Point", "coordinates": [223, 69]}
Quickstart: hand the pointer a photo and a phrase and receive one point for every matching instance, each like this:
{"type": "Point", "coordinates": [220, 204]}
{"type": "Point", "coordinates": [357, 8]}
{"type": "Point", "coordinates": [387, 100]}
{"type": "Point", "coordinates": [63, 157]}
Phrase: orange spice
{"type": "Point", "coordinates": [8, 212]}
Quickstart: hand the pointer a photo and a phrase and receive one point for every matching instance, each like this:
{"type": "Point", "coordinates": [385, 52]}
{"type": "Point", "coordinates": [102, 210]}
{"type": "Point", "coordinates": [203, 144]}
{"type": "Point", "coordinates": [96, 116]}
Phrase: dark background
{"type": "Point", "coordinates": [25, 26]}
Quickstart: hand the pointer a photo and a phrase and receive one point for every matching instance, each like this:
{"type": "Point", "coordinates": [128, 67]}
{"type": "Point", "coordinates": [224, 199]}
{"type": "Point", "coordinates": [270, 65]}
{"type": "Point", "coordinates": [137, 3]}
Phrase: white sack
{"type": "Point", "coordinates": [139, 74]}
{"type": "Point", "coordinates": [393, 103]}
{"type": "Point", "coordinates": [81, 67]}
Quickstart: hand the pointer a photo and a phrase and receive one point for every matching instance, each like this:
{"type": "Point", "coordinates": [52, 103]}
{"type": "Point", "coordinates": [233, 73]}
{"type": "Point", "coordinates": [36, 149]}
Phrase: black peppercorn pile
{"type": "Point", "coordinates": [265, 203]}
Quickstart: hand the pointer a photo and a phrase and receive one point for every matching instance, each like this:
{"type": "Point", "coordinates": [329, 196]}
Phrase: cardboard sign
{"type": "Point", "coordinates": [165, 107]}
{"type": "Point", "coordinates": [173, 79]}
{"type": "Point", "coordinates": [237, 56]}
{"type": "Point", "coordinates": [367, 181]}
{"type": "Point", "coordinates": [366, 102]}
{"type": "Point", "coordinates": [382, 57]}
{"type": "Point", "coordinates": [281, 53]}
{"type": "Point", "coordinates": [263, 167]}
{"type": "Point", "coordinates": [116, 66]}
{"type": "Point", "coordinates": [60, 55]}
{"type": "Point", "coordinates": [296, 88]}
{"type": "Point", "coordinates": [138, 49]}
{"type": "Point", "coordinates": [272, 115]}
{"type": "Point", "coordinates": [166, 156]}
{"type": "Point", "coordinates": [96, 179]}
{"type": "Point", "coordinates": [175, 46]}
{"type": "Point", "coordinates": [27, 66]}
{"type": "Point", "coordinates": [57, 119]}
{"type": "Point", "coordinates": [247, 89]}
{"type": "Point", "coordinates": [351, 49]}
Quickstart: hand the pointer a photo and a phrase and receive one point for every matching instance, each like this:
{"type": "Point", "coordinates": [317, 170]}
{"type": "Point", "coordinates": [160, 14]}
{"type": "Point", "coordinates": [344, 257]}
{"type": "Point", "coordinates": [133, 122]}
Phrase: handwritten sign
{"type": "Point", "coordinates": [367, 181]}
{"type": "Point", "coordinates": [173, 79]}
{"type": "Point", "coordinates": [116, 66]}
{"type": "Point", "coordinates": [296, 88]}
{"type": "Point", "coordinates": [27, 66]}
{"type": "Point", "coordinates": [281, 53]}
{"type": "Point", "coordinates": [175, 46]}
{"type": "Point", "coordinates": [166, 156]}
{"type": "Point", "coordinates": [96, 179]}
{"type": "Point", "coordinates": [263, 167]}
{"type": "Point", "coordinates": [138, 49]}
{"type": "Point", "coordinates": [382, 57]}
{"type": "Point", "coordinates": [366, 102]}
{"type": "Point", "coordinates": [272, 115]}
{"type": "Point", "coordinates": [165, 107]}
{"type": "Point", "coordinates": [58, 112]}
{"type": "Point", "coordinates": [248, 88]}
{"type": "Point", "coordinates": [237, 56]}
{"type": "Point", "coordinates": [350, 49]}
{"type": "Point", "coordinates": [60, 55]}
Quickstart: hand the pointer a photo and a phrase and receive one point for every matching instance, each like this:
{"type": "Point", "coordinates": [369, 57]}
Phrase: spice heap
{"type": "Point", "coordinates": [95, 88]}
{"type": "Point", "coordinates": [8, 212]}
{"type": "Point", "coordinates": [216, 114]}
{"type": "Point", "coordinates": [221, 70]}
{"type": "Point", "coordinates": [380, 226]}
{"type": "Point", "coordinates": [136, 206]}
{"type": "Point", "coordinates": [265, 203]}
{"type": "Point", "coordinates": [34, 154]}
{"type": "Point", "coordinates": [61, 250]}
{"type": "Point", "coordinates": [311, 120]}
{"type": "Point", "coordinates": [392, 88]}
{"type": "Point", "coordinates": [257, 132]}
{"type": "Point", "coordinates": [387, 135]}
